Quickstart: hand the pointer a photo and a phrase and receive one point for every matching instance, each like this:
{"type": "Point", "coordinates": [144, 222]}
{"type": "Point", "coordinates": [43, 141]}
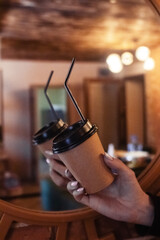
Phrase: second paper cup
{"type": "Point", "coordinates": [44, 137]}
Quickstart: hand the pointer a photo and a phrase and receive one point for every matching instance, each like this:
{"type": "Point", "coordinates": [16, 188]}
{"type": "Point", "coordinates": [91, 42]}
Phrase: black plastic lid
{"type": "Point", "coordinates": [73, 135]}
{"type": "Point", "coordinates": [49, 131]}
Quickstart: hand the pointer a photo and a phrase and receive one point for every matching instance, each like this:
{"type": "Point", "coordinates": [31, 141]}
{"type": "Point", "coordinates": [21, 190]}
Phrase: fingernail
{"type": "Point", "coordinates": [74, 184]}
{"type": "Point", "coordinates": [49, 152]}
{"type": "Point", "coordinates": [80, 190]}
{"type": "Point", "coordinates": [115, 173]}
{"type": "Point", "coordinates": [67, 173]}
{"type": "Point", "coordinates": [48, 161]}
{"type": "Point", "coordinates": [108, 156]}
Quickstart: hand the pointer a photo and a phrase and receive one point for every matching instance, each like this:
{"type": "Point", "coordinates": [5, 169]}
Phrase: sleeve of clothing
{"type": "Point", "coordinates": [155, 228]}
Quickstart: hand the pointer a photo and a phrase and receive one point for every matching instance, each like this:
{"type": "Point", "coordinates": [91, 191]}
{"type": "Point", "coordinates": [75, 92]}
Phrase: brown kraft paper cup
{"type": "Point", "coordinates": [43, 139]}
{"type": "Point", "coordinates": [46, 149]}
{"type": "Point", "coordinates": [86, 164]}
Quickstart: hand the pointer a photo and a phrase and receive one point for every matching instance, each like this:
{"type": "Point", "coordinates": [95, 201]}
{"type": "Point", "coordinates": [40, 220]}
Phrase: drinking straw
{"type": "Point", "coordinates": [69, 92]}
{"type": "Point", "coordinates": [45, 92]}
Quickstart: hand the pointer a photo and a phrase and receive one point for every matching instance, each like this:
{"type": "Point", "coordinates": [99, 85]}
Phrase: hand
{"type": "Point", "coordinates": [123, 200]}
{"type": "Point", "coordinates": [58, 172]}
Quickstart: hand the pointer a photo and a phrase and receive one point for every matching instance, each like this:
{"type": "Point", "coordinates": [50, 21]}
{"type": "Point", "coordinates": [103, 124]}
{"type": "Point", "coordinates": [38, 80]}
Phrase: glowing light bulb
{"type": "Point", "coordinates": [142, 53]}
{"type": "Point", "coordinates": [116, 68]}
{"type": "Point", "coordinates": [149, 64]}
{"type": "Point", "coordinates": [114, 57]}
{"type": "Point", "coordinates": [114, 63]}
{"type": "Point", "coordinates": [127, 58]}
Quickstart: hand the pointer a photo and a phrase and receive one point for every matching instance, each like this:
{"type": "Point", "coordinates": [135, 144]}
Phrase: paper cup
{"type": "Point", "coordinates": [43, 139]}
{"type": "Point", "coordinates": [80, 149]}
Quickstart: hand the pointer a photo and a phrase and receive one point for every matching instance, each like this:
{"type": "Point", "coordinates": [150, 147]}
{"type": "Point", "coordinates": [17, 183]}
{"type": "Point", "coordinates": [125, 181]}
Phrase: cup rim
{"type": "Point", "coordinates": [48, 131]}
{"type": "Point", "coordinates": [78, 133]}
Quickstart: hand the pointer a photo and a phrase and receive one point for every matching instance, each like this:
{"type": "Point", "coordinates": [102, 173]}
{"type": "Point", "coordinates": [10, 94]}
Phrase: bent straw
{"type": "Point", "coordinates": [69, 92]}
{"type": "Point", "coordinates": [45, 92]}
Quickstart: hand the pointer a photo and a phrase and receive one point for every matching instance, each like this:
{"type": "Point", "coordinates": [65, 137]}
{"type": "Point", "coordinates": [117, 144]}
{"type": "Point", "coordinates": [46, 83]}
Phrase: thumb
{"type": "Point", "coordinates": [116, 165]}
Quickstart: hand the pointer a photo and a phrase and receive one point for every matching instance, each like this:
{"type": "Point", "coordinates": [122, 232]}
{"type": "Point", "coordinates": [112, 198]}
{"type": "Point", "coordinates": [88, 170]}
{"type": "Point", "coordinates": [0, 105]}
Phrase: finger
{"type": "Point", "coordinates": [58, 179]}
{"type": "Point", "coordinates": [51, 155]}
{"type": "Point", "coordinates": [69, 175]}
{"type": "Point", "coordinates": [57, 166]}
{"type": "Point", "coordinates": [78, 192]}
{"type": "Point", "coordinates": [117, 166]}
{"type": "Point", "coordinates": [72, 185]}
{"type": "Point", "coordinates": [81, 196]}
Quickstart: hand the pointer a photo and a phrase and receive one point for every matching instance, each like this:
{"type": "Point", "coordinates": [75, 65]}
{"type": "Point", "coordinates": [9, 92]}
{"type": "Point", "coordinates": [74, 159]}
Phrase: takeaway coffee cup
{"type": "Point", "coordinates": [44, 137]}
{"type": "Point", "coordinates": [80, 149]}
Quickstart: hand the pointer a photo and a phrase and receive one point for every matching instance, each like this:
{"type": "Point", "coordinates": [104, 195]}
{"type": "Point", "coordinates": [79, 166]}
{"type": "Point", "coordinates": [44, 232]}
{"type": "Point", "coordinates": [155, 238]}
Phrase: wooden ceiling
{"type": "Point", "coordinates": [85, 29]}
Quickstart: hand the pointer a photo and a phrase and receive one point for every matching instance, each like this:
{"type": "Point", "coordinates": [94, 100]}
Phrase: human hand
{"type": "Point", "coordinates": [123, 200]}
{"type": "Point", "coordinates": [58, 172]}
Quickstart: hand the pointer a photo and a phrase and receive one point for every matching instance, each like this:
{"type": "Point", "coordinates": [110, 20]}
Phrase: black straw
{"type": "Point", "coordinates": [45, 92]}
{"type": "Point", "coordinates": [69, 92]}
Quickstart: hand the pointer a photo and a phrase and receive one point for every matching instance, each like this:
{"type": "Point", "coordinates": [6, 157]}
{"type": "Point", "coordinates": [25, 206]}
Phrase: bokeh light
{"type": "Point", "coordinates": [142, 53]}
{"type": "Point", "coordinates": [127, 58]}
{"type": "Point", "coordinates": [114, 63]}
{"type": "Point", "coordinates": [149, 64]}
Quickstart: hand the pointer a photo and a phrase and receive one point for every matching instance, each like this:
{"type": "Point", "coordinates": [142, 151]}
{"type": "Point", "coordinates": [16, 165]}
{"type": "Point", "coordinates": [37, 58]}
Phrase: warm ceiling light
{"type": "Point", "coordinates": [114, 63]}
{"type": "Point", "coordinates": [127, 58]}
{"type": "Point", "coordinates": [112, 58]}
{"type": "Point", "coordinates": [117, 68]}
{"type": "Point", "coordinates": [149, 64]}
{"type": "Point", "coordinates": [142, 53]}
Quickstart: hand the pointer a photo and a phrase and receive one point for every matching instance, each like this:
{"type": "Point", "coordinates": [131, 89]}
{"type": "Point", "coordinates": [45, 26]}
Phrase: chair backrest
{"type": "Point", "coordinates": [17, 223]}
{"type": "Point", "coordinates": [79, 224]}
{"type": "Point", "coordinates": [149, 179]}
{"type": "Point", "coordinates": [59, 221]}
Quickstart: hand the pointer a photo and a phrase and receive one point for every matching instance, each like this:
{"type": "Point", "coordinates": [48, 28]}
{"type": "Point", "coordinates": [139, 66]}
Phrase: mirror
{"type": "Point", "coordinates": [110, 28]}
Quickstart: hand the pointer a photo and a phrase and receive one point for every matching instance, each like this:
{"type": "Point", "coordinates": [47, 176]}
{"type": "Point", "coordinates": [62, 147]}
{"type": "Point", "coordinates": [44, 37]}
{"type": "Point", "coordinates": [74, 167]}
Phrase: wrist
{"type": "Point", "coordinates": [145, 215]}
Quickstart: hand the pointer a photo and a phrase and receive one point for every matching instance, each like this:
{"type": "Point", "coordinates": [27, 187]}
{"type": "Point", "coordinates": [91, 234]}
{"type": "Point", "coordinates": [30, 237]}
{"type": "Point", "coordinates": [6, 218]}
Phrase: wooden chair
{"type": "Point", "coordinates": [18, 223]}
{"type": "Point", "coordinates": [12, 213]}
